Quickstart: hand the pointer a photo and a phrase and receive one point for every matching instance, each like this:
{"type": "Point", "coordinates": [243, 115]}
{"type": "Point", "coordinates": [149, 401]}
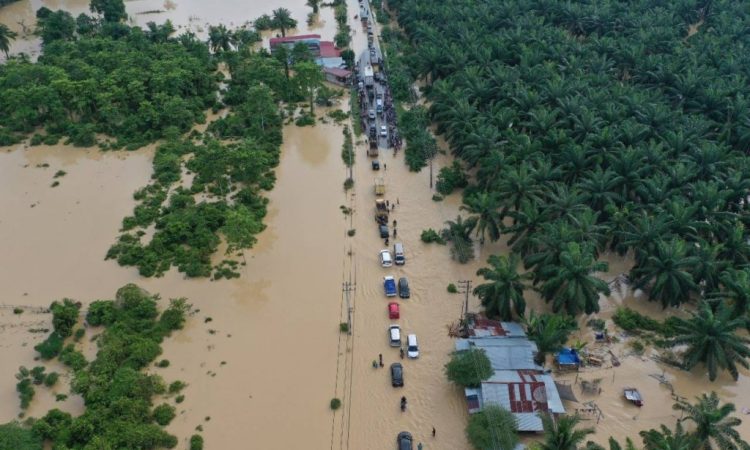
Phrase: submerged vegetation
{"type": "Point", "coordinates": [601, 127]}
{"type": "Point", "coordinates": [100, 81]}
{"type": "Point", "coordinates": [118, 394]}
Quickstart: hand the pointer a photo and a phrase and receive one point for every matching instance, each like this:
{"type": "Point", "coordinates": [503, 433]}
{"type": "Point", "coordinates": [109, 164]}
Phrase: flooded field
{"type": "Point", "coordinates": [262, 355]}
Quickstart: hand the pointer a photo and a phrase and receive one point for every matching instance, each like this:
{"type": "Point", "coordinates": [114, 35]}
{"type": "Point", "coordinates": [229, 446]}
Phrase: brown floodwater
{"type": "Point", "coordinates": [263, 355]}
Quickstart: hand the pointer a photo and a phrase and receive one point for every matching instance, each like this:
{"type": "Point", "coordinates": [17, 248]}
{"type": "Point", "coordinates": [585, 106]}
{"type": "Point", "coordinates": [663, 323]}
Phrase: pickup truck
{"type": "Point", "coordinates": [389, 284]}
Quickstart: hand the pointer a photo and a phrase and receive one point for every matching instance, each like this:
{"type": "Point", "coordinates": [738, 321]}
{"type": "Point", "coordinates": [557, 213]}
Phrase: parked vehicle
{"type": "Point", "coordinates": [371, 114]}
{"type": "Point", "coordinates": [412, 347]}
{"type": "Point", "coordinates": [393, 311]}
{"type": "Point", "coordinates": [375, 164]}
{"type": "Point", "coordinates": [383, 131]}
{"type": "Point", "coordinates": [397, 375]}
{"type": "Point", "coordinates": [394, 335]}
{"type": "Point", "coordinates": [389, 284]}
{"type": "Point", "coordinates": [379, 186]}
{"type": "Point", "coordinates": [385, 258]}
{"type": "Point", "coordinates": [373, 132]}
{"type": "Point", "coordinates": [403, 441]}
{"type": "Point", "coordinates": [384, 233]}
{"type": "Point", "coordinates": [398, 253]}
{"type": "Point", "coordinates": [381, 212]}
{"type": "Point", "coordinates": [403, 288]}
{"type": "Point", "coordinates": [373, 150]}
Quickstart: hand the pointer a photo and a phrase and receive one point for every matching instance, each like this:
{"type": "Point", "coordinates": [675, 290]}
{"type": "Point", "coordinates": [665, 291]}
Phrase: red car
{"type": "Point", "coordinates": [393, 312]}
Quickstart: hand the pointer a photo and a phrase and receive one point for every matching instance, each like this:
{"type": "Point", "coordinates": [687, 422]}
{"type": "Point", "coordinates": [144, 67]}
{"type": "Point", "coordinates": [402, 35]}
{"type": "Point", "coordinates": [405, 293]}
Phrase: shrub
{"type": "Point", "coordinates": [437, 198]}
{"type": "Point", "coordinates": [196, 442]}
{"type": "Point", "coordinates": [37, 375]}
{"type": "Point", "coordinates": [17, 310]}
{"type": "Point", "coordinates": [335, 404]}
{"type": "Point", "coordinates": [351, 232]}
{"type": "Point", "coordinates": [60, 173]}
{"type": "Point", "coordinates": [64, 316]}
{"type": "Point", "coordinates": [344, 327]}
{"type": "Point", "coordinates": [596, 324]}
{"type": "Point", "coordinates": [452, 288]}
{"type": "Point", "coordinates": [50, 347]}
{"type": "Point", "coordinates": [60, 397]}
{"type": "Point", "coordinates": [632, 321]}
{"type": "Point", "coordinates": [450, 178]}
{"type": "Point", "coordinates": [163, 414]}
{"type": "Point", "coordinates": [637, 346]}
{"type": "Point", "coordinates": [179, 399]}
{"type": "Point", "coordinates": [25, 392]}
{"type": "Point", "coordinates": [51, 379]}
{"type": "Point", "coordinates": [163, 363]}
{"type": "Point", "coordinates": [176, 386]}
{"type": "Point", "coordinates": [429, 235]}
{"type": "Point", "coordinates": [305, 120]}
{"type": "Point", "coordinates": [348, 184]}
{"type": "Point", "coordinates": [101, 312]}
{"type": "Point", "coordinates": [79, 334]}
{"type": "Point", "coordinates": [73, 358]}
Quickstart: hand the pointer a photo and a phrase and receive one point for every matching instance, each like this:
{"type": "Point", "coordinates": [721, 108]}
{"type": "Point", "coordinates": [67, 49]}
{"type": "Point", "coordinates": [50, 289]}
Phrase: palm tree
{"type": "Point", "coordinates": [571, 286]}
{"type": "Point", "coordinates": [282, 19]}
{"type": "Point", "coordinates": [220, 39]}
{"type": "Point", "coordinates": [714, 429]}
{"type": "Point", "coordinates": [560, 433]}
{"type": "Point", "coordinates": [549, 332]}
{"type": "Point", "coordinates": [458, 232]}
{"type": "Point", "coordinates": [314, 4]}
{"type": "Point", "coordinates": [737, 290]}
{"type": "Point", "coordinates": [664, 439]}
{"type": "Point", "coordinates": [6, 35]}
{"type": "Point", "coordinates": [503, 295]}
{"type": "Point", "coordinates": [485, 206]}
{"type": "Point", "coordinates": [711, 340]}
{"type": "Point", "coordinates": [668, 271]}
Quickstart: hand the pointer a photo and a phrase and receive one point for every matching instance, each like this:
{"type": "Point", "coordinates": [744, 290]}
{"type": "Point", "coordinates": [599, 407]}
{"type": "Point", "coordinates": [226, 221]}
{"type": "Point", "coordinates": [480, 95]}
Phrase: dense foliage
{"type": "Point", "coordinates": [132, 87]}
{"type": "Point", "coordinates": [599, 126]}
{"type": "Point", "coordinates": [14, 436]}
{"type": "Point", "coordinates": [117, 393]}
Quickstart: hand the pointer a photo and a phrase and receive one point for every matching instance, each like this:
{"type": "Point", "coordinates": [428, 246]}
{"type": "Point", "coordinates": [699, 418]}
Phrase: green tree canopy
{"type": "Point", "coordinates": [492, 428]}
{"type": "Point", "coordinates": [714, 427]}
{"type": "Point", "coordinates": [468, 368]}
{"type": "Point", "coordinates": [503, 294]}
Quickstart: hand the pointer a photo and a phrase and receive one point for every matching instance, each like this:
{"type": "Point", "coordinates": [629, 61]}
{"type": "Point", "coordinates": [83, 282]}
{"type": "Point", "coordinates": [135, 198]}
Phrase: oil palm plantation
{"type": "Point", "coordinates": [484, 207]}
{"type": "Point", "coordinates": [6, 35]}
{"type": "Point", "coordinates": [665, 439]}
{"type": "Point", "coordinates": [711, 339]}
{"type": "Point", "coordinates": [571, 286]}
{"type": "Point", "coordinates": [502, 295]}
{"type": "Point", "coordinates": [561, 434]}
{"type": "Point", "coordinates": [282, 20]}
{"type": "Point", "coordinates": [714, 428]}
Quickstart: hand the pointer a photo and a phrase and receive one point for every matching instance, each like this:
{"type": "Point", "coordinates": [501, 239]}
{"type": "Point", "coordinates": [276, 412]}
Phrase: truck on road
{"type": "Point", "coordinates": [369, 76]}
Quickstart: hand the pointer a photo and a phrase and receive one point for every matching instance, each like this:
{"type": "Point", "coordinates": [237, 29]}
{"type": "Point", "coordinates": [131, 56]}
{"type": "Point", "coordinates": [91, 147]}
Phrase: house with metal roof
{"type": "Point", "coordinates": [519, 384]}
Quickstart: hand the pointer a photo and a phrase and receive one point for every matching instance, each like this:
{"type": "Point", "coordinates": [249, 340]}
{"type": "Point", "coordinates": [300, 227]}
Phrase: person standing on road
{"type": "Point", "coordinates": [385, 167]}
{"type": "Point", "coordinates": [419, 446]}
{"type": "Point", "coordinates": [433, 431]}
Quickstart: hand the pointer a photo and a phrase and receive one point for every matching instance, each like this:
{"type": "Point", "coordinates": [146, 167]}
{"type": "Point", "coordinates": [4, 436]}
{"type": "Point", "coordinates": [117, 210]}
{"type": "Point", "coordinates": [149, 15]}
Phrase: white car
{"type": "Point", "coordinates": [412, 348]}
{"type": "Point", "coordinates": [383, 131]}
{"type": "Point", "coordinates": [385, 258]}
{"type": "Point", "coordinates": [394, 334]}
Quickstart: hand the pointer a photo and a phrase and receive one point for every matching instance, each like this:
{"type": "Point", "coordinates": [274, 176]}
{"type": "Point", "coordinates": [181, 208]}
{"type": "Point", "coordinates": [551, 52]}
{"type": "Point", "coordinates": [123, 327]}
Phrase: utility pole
{"type": "Point", "coordinates": [431, 158]}
{"type": "Point", "coordinates": [348, 288]}
{"type": "Point", "coordinates": [465, 288]}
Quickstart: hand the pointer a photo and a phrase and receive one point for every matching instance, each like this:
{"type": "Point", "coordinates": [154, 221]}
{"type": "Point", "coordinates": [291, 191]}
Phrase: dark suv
{"type": "Point", "coordinates": [403, 441]}
{"type": "Point", "coordinates": [403, 288]}
{"type": "Point", "coordinates": [397, 375]}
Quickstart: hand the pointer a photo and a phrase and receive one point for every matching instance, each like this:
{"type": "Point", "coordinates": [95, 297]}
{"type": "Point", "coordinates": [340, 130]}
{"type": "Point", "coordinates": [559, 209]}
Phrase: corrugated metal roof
{"type": "Point", "coordinates": [529, 422]}
{"type": "Point", "coordinates": [504, 353]}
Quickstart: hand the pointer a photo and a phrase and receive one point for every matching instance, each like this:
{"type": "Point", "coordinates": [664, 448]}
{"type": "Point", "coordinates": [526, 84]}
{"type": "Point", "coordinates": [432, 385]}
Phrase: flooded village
{"type": "Point", "coordinates": [340, 298]}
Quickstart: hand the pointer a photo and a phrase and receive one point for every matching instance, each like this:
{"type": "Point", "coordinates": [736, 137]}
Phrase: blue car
{"type": "Point", "coordinates": [389, 284]}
